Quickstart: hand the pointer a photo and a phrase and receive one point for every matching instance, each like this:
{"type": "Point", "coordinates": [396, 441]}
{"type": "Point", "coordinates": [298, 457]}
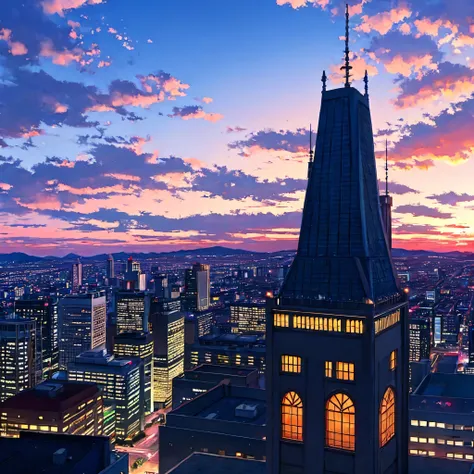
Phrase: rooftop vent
{"type": "Point", "coordinates": [246, 411]}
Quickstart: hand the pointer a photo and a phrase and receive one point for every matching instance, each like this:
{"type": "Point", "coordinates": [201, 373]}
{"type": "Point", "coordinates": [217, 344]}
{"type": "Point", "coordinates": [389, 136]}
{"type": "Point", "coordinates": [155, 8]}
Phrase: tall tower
{"type": "Point", "coordinates": [76, 276]}
{"type": "Point", "coordinates": [337, 345]}
{"type": "Point", "coordinates": [110, 267]}
{"type": "Point", "coordinates": [197, 287]}
{"type": "Point", "coordinates": [386, 203]}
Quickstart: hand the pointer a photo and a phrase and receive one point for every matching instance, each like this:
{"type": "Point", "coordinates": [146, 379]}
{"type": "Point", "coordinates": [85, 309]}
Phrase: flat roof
{"type": "Point", "coordinates": [224, 410]}
{"type": "Point", "coordinates": [199, 463]}
{"type": "Point", "coordinates": [32, 453]}
{"type": "Point", "coordinates": [219, 369]}
{"type": "Point", "coordinates": [51, 395]}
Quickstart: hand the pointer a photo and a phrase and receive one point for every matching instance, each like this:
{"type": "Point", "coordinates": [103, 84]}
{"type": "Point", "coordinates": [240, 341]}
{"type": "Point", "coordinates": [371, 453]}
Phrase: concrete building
{"type": "Point", "coordinates": [204, 377]}
{"type": "Point", "coordinates": [196, 325]}
{"type": "Point", "coordinates": [18, 356]}
{"type": "Point", "coordinates": [110, 270]}
{"type": "Point", "coordinates": [82, 325]}
{"type": "Point", "coordinates": [34, 453]}
{"type": "Point", "coordinates": [228, 350]}
{"type": "Point", "coordinates": [442, 417]}
{"type": "Point", "coordinates": [76, 276]}
{"type": "Point", "coordinates": [197, 287]}
{"type": "Point", "coordinates": [44, 312]}
{"type": "Point", "coordinates": [54, 407]}
{"type": "Point", "coordinates": [121, 381]}
{"type": "Point", "coordinates": [226, 420]}
{"type": "Point", "coordinates": [168, 336]}
{"type": "Point", "coordinates": [337, 333]}
{"type": "Point", "coordinates": [132, 309]}
{"type": "Point", "coordinates": [134, 344]}
{"type": "Point", "coordinates": [248, 318]}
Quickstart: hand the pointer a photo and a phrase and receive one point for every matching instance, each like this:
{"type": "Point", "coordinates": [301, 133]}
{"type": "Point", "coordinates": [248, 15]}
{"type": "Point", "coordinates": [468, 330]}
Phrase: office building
{"type": "Point", "coordinates": [134, 280]}
{"type": "Point", "coordinates": [168, 336]}
{"type": "Point", "coordinates": [204, 377]}
{"type": "Point", "coordinates": [197, 287]}
{"type": "Point", "coordinates": [18, 356]}
{"type": "Point", "coordinates": [337, 333]}
{"type": "Point", "coordinates": [228, 350]}
{"type": "Point", "coordinates": [134, 344]}
{"type": "Point", "coordinates": [45, 313]}
{"type": "Point", "coordinates": [248, 318]}
{"type": "Point", "coordinates": [121, 381]}
{"type": "Point", "coordinates": [196, 325]}
{"type": "Point", "coordinates": [34, 453]}
{"type": "Point", "coordinates": [110, 271]}
{"type": "Point", "coordinates": [442, 417]}
{"type": "Point", "coordinates": [54, 407]}
{"type": "Point", "coordinates": [132, 311]}
{"type": "Point", "coordinates": [76, 276]}
{"type": "Point", "coordinates": [161, 286]}
{"type": "Point", "coordinates": [420, 339]}
{"type": "Point", "coordinates": [227, 421]}
{"type": "Point", "coordinates": [82, 325]}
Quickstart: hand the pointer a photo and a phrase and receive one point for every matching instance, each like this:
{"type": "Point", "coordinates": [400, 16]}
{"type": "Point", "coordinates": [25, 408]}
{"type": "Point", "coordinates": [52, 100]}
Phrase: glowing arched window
{"type": "Point", "coordinates": [387, 417]}
{"type": "Point", "coordinates": [292, 417]}
{"type": "Point", "coordinates": [340, 422]}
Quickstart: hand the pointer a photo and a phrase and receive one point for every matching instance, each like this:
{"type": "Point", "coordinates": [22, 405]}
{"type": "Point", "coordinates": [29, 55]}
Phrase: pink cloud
{"type": "Point", "coordinates": [383, 22]}
{"type": "Point", "coordinates": [16, 48]}
{"type": "Point", "coordinates": [359, 66]}
{"type": "Point", "coordinates": [303, 3]}
{"type": "Point", "coordinates": [62, 58]}
{"type": "Point", "coordinates": [51, 7]}
{"type": "Point", "coordinates": [408, 66]}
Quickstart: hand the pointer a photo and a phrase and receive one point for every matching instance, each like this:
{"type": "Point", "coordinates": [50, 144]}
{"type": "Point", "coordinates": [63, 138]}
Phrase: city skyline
{"type": "Point", "coordinates": [134, 135]}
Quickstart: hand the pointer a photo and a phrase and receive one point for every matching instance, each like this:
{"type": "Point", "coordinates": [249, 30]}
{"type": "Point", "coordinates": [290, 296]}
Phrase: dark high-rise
{"type": "Point", "coordinates": [197, 287]}
{"type": "Point", "coordinates": [110, 267]}
{"type": "Point", "coordinates": [420, 339]}
{"type": "Point", "coordinates": [45, 313]}
{"type": "Point", "coordinates": [76, 276]}
{"type": "Point", "coordinates": [337, 334]}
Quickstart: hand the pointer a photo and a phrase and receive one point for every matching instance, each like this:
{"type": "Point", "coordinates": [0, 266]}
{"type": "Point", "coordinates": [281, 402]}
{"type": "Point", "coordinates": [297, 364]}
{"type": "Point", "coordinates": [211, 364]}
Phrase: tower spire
{"type": "Point", "coordinates": [347, 67]}
{"type": "Point", "coordinates": [386, 167]}
{"type": "Point", "coordinates": [310, 144]}
{"type": "Point", "coordinates": [324, 81]}
{"type": "Point", "coordinates": [366, 81]}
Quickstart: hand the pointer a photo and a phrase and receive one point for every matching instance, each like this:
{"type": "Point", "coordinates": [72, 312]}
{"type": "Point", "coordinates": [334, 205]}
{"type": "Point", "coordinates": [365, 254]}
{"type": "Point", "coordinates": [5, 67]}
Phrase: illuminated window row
{"type": "Point", "coordinates": [317, 323]}
{"type": "Point", "coordinates": [449, 442]}
{"type": "Point", "coordinates": [385, 322]}
{"type": "Point", "coordinates": [281, 320]}
{"type": "Point", "coordinates": [291, 364]}
{"type": "Point", "coordinates": [444, 426]}
{"type": "Point", "coordinates": [344, 370]}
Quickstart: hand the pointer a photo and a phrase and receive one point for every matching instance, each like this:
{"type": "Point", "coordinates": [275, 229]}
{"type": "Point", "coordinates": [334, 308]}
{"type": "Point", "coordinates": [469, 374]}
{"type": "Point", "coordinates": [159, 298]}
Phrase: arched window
{"type": "Point", "coordinates": [292, 417]}
{"type": "Point", "coordinates": [340, 422]}
{"type": "Point", "coordinates": [387, 417]}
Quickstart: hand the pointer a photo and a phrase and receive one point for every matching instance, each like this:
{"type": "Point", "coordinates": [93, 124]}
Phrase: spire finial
{"type": "Point", "coordinates": [324, 80]}
{"type": "Point", "coordinates": [386, 167]}
{"type": "Point", "coordinates": [366, 81]}
{"type": "Point", "coordinates": [310, 144]}
{"type": "Point", "coordinates": [347, 67]}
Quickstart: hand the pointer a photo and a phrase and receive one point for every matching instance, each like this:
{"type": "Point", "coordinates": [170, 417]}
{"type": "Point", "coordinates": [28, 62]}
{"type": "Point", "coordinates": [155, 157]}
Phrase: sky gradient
{"type": "Point", "coordinates": [153, 126]}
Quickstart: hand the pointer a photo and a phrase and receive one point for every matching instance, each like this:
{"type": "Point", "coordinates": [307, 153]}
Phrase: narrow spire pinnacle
{"type": "Point", "coordinates": [366, 81]}
{"type": "Point", "coordinates": [347, 67]}
{"type": "Point", "coordinates": [324, 81]}
{"type": "Point", "coordinates": [386, 167]}
{"type": "Point", "coordinates": [310, 144]}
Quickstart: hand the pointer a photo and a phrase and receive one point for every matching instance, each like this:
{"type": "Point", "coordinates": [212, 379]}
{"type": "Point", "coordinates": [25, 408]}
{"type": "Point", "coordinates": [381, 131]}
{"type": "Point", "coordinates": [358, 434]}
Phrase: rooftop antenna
{"type": "Point", "coordinates": [347, 67]}
{"type": "Point", "coordinates": [366, 81]}
{"type": "Point", "coordinates": [386, 167]}
{"type": "Point", "coordinates": [310, 144]}
{"type": "Point", "coordinates": [324, 81]}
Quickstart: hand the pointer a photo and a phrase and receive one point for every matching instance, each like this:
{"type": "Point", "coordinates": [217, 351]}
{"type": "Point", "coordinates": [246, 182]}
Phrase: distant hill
{"type": "Point", "coordinates": [18, 257]}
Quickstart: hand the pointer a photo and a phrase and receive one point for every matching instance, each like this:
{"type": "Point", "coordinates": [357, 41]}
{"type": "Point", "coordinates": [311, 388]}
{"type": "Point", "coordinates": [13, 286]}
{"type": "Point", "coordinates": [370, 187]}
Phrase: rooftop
{"type": "Point", "coordinates": [219, 369]}
{"type": "Point", "coordinates": [52, 395]}
{"type": "Point", "coordinates": [199, 463]}
{"type": "Point", "coordinates": [35, 453]}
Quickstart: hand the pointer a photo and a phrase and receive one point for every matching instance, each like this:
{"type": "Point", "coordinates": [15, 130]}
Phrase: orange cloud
{"type": "Point", "coordinates": [51, 7]}
{"type": "Point", "coordinates": [359, 66]}
{"type": "Point", "coordinates": [427, 27]}
{"type": "Point", "coordinates": [123, 177]}
{"type": "Point", "coordinates": [62, 58]}
{"type": "Point", "coordinates": [382, 22]}
{"type": "Point", "coordinates": [16, 48]}
{"type": "Point", "coordinates": [406, 67]}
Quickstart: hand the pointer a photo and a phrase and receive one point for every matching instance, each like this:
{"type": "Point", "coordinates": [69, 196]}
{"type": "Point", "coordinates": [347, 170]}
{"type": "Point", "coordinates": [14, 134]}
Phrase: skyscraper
{"type": "Point", "coordinates": [76, 276]}
{"type": "Point", "coordinates": [197, 287]}
{"type": "Point", "coordinates": [168, 335]}
{"type": "Point", "coordinates": [337, 334]}
{"type": "Point", "coordinates": [132, 311]}
{"type": "Point", "coordinates": [82, 325]}
{"type": "Point", "coordinates": [18, 356]}
{"type": "Point", "coordinates": [45, 313]}
{"type": "Point", "coordinates": [247, 318]}
{"type": "Point", "coordinates": [110, 267]}
{"type": "Point", "coordinates": [420, 339]}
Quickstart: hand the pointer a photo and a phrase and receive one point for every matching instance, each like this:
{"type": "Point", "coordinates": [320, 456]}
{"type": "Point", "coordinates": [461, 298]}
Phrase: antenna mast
{"type": "Point", "coordinates": [347, 67]}
{"type": "Point", "coordinates": [386, 167]}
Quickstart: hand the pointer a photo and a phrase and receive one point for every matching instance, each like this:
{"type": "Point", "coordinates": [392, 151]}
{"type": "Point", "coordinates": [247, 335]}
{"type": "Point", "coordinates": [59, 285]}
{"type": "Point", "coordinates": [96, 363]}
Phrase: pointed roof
{"type": "Point", "coordinates": [342, 252]}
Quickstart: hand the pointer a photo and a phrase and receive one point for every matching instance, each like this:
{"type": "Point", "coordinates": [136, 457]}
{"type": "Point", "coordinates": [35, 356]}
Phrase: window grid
{"type": "Point", "coordinates": [340, 422]}
{"type": "Point", "coordinates": [385, 322]}
{"type": "Point", "coordinates": [387, 417]}
{"type": "Point", "coordinates": [328, 368]}
{"type": "Point", "coordinates": [291, 364]}
{"type": "Point", "coordinates": [292, 417]}
{"type": "Point", "coordinates": [355, 326]}
{"type": "Point", "coordinates": [345, 371]}
{"type": "Point", "coordinates": [312, 323]}
{"type": "Point", "coordinates": [281, 320]}
{"type": "Point", "coordinates": [393, 360]}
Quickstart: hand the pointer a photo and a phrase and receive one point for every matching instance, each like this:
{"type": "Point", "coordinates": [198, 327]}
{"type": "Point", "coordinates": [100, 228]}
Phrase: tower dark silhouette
{"type": "Point", "coordinates": [337, 336]}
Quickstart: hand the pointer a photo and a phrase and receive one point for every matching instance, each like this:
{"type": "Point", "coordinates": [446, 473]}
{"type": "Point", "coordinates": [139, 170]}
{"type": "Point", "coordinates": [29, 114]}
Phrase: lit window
{"type": "Point", "coordinates": [292, 417]}
{"type": "Point", "coordinates": [340, 422]}
{"type": "Point", "coordinates": [441, 441]}
{"type": "Point", "coordinates": [414, 422]}
{"type": "Point", "coordinates": [281, 320]}
{"type": "Point", "coordinates": [423, 440]}
{"type": "Point", "coordinates": [387, 417]}
{"type": "Point", "coordinates": [459, 427]}
{"type": "Point", "coordinates": [431, 424]}
{"type": "Point", "coordinates": [469, 456]}
{"type": "Point", "coordinates": [291, 364]}
{"type": "Point", "coordinates": [450, 455]}
{"type": "Point", "coordinates": [393, 360]}
{"type": "Point", "coordinates": [345, 371]}
{"type": "Point", "coordinates": [431, 440]}
{"type": "Point", "coordinates": [413, 451]}
{"type": "Point", "coordinates": [414, 439]}
{"type": "Point", "coordinates": [328, 368]}
{"type": "Point", "coordinates": [458, 443]}
{"type": "Point", "coordinates": [458, 456]}
{"type": "Point", "coordinates": [423, 423]}
{"type": "Point", "coordinates": [440, 425]}
{"type": "Point", "coordinates": [355, 326]}
{"type": "Point", "coordinates": [431, 453]}
{"type": "Point", "coordinates": [450, 442]}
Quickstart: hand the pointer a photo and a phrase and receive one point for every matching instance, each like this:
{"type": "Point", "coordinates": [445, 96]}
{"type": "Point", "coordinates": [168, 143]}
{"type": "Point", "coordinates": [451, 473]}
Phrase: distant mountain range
{"type": "Point", "coordinates": [18, 257]}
